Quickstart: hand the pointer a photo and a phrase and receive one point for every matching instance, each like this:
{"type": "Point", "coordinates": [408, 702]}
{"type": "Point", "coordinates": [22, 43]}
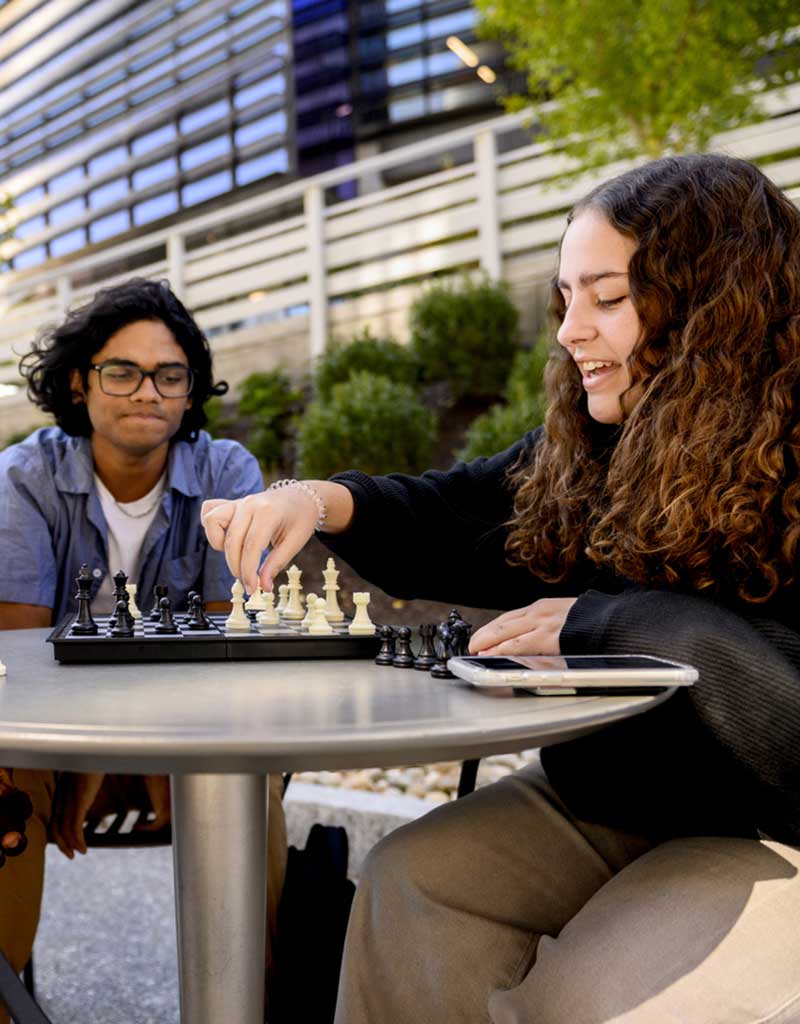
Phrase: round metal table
{"type": "Point", "coordinates": [217, 728]}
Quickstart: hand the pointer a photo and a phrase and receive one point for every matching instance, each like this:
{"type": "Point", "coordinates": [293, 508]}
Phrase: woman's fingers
{"type": "Point", "coordinates": [280, 556]}
{"type": "Point", "coordinates": [525, 643]}
{"type": "Point", "coordinates": [504, 627]}
{"type": "Point", "coordinates": [215, 515]}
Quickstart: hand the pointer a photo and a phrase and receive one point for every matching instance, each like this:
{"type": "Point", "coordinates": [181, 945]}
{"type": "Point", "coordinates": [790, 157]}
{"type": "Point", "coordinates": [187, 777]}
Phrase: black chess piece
{"type": "Point", "coordinates": [120, 626]}
{"type": "Point", "coordinates": [404, 656]}
{"type": "Point", "coordinates": [166, 623]}
{"type": "Point", "coordinates": [159, 591]}
{"type": "Point", "coordinates": [121, 594]}
{"type": "Point", "coordinates": [386, 653]}
{"type": "Point", "coordinates": [84, 624]}
{"type": "Point", "coordinates": [440, 669]}
{"type": "Point", "coordinates": [197, 617]}
{"type": "Point", "coordinates": [454, 616]}
{"type": "Point", "coordinates": [426, 658]}
{"type": "Point", "coordinates": [462, 631]}
{"type": "Point", "coordinates": [189, 597]}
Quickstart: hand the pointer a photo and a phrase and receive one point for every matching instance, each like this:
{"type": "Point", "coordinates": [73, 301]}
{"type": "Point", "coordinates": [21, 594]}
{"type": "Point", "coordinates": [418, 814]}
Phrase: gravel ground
{"type": "Point", "coordinates": [437, 783]}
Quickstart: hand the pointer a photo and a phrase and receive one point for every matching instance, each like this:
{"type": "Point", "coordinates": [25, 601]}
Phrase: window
{"type": "Point", "coordinates": [199, 155]}
{"type": "Point", "coordinates": [275, 85]}
{"type": "Point", "coordinates": [200, 30]}
{"type": "Point", "coordinates": [161, 171]}
{"type": "Point", "coordinates": [152, 140]}
{"type": "Point", "coordinates": [105, 161]}
{"type": "Point", "coordinates": [276, 162]}
{"type": "Point", "coordinates": [442, 63]}
{"type": "Point", "coordinates": [102, 84]}
{"type": "Point", "coordinates": [261, 129]}
{"type": "Point", "coordinates": [408, 107]}
{"type": "Point", "coordinates": [113, 224]}
{"type": "Point", "coordinates": [204, 116]}
{"type": "Point", "coordinates": [30, 227]}
{"type": "Point", "coordinates": [29, 258]}
{"type": "Point", "coordinates": [69, 242]}
{"type": "Point", "coordinates": [447, 24]}
{"type": "Point", "coordinates": [62, 181]}
{"type": "Point", "coordinates": [68, 210]}
{"type": "Point", "coordinates": [408, 35]}
{"type": "Point", "coordinates": [149, 91]}
{"type": "Point", "coordinates": [108, 193]}
{"type": "Point", "coordinates": [214, 185]}
{"type": "Point", "coordinates": [407, 71]}
{"type": "Point", "coordinates": [30, 196]}
{"type": "Point", "coordinates": [158, 206]}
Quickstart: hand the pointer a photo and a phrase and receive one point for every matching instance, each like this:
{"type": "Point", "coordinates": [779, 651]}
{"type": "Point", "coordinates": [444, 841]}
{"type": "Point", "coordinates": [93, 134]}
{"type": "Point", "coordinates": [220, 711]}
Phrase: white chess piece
{"type": "Point", "coordinates": [131, 588]}
{"type": "Point", "coordinates": [238, 618]}
{"type": "Point", "coordinates": [333, 612]}
{"type": "Point", "coordinates": [294, 609]}
{"type": "Point", "coordinates": [255, 603]}
{"type": "Point", "coordinates": [361, 625]}
{"type": "Point", "coordinates": [269, 615]}
{"type": "Point", "coordinates": [2, 669]}
{"type": "Point", "coordinates": [319, 625]}
{"type": "Point", "coordinates": [311, 602]}
{"type": "Point", "coordinates": [283, 598]}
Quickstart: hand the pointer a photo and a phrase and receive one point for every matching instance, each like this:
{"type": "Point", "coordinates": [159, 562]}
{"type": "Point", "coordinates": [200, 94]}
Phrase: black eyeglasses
{"type": "Point", "coordinates": [123, 379]}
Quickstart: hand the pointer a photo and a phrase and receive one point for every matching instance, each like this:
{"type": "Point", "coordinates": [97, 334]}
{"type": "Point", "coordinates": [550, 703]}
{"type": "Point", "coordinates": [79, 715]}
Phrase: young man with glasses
{"type": "Point", "coordinates": [117, 484]}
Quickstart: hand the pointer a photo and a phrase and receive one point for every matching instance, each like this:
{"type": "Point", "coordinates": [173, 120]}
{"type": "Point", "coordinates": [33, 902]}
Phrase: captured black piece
{"type": "Point", "coordinates": [386, 653]}
{"type": "Point", "coordinates": [446, 641]}
{"type": "Point", "coordinates": [122, 623]}
{"type": "Point", "coordinates": [84, 624]}
{"type": "Point", "coordinates": [15, 809]}
{"type": "Point", "coordinates": [159, 591]}
{"type": "Point", "coordinates": [426, 658]}
{"type": "Point", "coordinates": [404, 658]}
{"type": "Point", "coordinates": [166, 623]}
{"type": "Point", "coordinates": [197, 617]}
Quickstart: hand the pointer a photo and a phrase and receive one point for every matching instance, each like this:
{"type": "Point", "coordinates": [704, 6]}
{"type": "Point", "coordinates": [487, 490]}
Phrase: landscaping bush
{"type": "Point", "coordinates": [218, 418]}
{"type": "Point", "coordinates": [381, 356]}
{"type": "Point", "coordinates": [267, 405]}
{"type": "Point", "coordinates": [465, 334]}
{"type": "Point", "coordinates": [369, 423]}
{"type": "Point", "coordinates": [521, 410]}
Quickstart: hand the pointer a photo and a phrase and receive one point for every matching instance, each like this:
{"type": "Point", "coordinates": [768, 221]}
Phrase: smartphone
{"type": "Point", "coordinates": [571, 674]}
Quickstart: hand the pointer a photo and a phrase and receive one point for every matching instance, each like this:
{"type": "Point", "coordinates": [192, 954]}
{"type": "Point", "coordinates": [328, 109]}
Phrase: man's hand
{"type": "Point", "coordinates": [534, 629]}
{"type": "Point", "coordinates": [15, 809]}
{"type": "Point", "coordinates": [75, 794]}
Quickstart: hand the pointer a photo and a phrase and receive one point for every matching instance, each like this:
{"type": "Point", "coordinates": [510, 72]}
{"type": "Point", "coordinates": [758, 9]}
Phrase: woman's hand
{"type": "Point", "coordinates": [282, 519]}
{"type": "Point", "coordinates": [531, 630]}
{"type": "Point", "coordinates": [75, 794]}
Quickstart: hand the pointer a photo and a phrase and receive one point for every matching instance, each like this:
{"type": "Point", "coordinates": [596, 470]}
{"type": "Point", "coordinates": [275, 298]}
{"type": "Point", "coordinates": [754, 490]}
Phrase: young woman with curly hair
{"type": "Point", "coordinates": [647, 873]}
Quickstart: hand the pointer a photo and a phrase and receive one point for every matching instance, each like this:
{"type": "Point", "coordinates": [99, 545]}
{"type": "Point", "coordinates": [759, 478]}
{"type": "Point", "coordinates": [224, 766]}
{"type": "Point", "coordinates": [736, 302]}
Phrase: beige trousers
{"type": "Point", "coordinates": [22, 878]}
{"type": "Point", "coordinates": [503, 907]}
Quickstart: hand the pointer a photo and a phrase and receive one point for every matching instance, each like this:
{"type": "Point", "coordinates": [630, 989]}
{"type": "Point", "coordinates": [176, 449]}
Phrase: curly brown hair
{"type": "Point", "coordinates": [700, 489]}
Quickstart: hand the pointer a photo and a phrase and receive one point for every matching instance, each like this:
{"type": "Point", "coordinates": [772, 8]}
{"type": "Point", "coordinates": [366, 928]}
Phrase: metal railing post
{"type": "Point", "coordinates": [63, 293]}
{"type": "Point", "coordinates": [314, 206]}
{"type": "Point", "coordinates": [176, 264]}
{"type": "Point", "coordinates": [488, 215]}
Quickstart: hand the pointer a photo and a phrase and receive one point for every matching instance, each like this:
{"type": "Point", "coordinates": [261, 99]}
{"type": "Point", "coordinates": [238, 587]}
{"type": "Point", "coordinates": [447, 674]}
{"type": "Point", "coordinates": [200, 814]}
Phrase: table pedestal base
{"type": "Point", "coordinates": [219, 843]}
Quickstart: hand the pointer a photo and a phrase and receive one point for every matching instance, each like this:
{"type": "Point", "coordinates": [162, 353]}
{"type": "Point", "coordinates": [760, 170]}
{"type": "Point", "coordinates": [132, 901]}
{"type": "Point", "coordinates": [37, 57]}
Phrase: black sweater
{"type": "Point", "coordinates": [722, 757]}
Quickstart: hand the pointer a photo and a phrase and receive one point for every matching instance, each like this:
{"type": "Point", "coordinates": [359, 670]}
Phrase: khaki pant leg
{"type": "Point", "coordinates": [452, 906]}
{"type": "Point", "coordinates": [705, 930]}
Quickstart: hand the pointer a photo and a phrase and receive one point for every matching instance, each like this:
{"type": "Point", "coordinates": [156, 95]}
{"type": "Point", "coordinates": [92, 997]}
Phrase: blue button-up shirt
{"type": "Point", "coordinates": [51, 520]}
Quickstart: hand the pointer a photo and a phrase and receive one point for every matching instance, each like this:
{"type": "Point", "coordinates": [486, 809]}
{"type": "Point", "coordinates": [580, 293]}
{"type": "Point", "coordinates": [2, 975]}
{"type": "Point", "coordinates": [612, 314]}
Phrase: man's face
{"type": "Point", "coordinates": [138, 423]}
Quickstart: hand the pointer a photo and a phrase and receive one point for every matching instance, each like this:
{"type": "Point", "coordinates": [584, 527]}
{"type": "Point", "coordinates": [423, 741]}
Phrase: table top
{"type": "Point", "coordinates": [256, 716]}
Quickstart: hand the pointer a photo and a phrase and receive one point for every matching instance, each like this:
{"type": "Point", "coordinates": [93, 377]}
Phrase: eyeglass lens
{"type": "Point", "coordinates": [170, 381]}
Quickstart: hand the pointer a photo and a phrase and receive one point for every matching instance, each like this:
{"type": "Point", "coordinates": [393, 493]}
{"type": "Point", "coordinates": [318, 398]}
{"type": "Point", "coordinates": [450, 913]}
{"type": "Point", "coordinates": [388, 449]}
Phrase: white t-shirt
{"type": "Point", "coordinates": [127, 523]}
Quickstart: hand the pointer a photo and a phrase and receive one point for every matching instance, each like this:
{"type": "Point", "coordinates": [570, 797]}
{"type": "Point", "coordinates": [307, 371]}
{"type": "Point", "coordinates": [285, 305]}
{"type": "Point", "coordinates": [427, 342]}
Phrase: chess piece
{"type": "Point", "coordinates": [283, 598]}
{"type": "Point", "coordinates": [462, 631]}
{"type": "Point", "coordinates": [132, 608]}
{"type": "Point", "coordinates": [166, 623]}
{"type": "Point", "coordinates": [294, 609]}
{"type": "Point", "coordinates": [426, 658]}
{"type": "Point", "coordinates": [386, 653]}
{"type": "Point", "coordinates": [311, 602]}
{"type": "Point", "coordinates": [404, 657]}
{"type": "Point", "coordinates": [319, 625]}
{"type": "Point", "coordinates": [332, 610]}
{"type": "Point", "coordinates": [122, 624]}
{"type": "Point", "coordinates": [268, 616]}
{"type": "Point", "coordinates": [440, 669]}
{"type": "Point", "coordinates": [255, 603]}
{"type": "Point", "coordinates": [121, 594]}
{"type": "Point", "coordinates": [361, 625]}
{"type": "Point", "coordinates": [159, 591]}
{"type": "Point", "coordinates": [454, 616]}
{"type": "Point", "coordinates": [197, 619]}
{"type": "Point", "coordinates": [238, 618]}
{"type": "Point", "coordinates": [84, 624]}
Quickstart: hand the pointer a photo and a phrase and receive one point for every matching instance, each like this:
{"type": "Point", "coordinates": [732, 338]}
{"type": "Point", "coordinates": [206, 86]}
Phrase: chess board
{"type": "Point", "coordinates": [286, 641]}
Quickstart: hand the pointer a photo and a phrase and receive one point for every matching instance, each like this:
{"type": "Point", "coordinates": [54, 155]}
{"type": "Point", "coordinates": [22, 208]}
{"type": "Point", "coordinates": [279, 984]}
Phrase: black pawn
{"type": "Point", "coordinates": [386, 652]}
{"type": "Point", "coordinates": [121, 594]}
{"type": "Point", "coordinates": [166, 623]}
{"type": "Point", "coordinates": [189, 598]}
{"type": "Point", "coordinates": [454, 616]}
{"type": "Point", "coordinates": [84, 624]}
{"type": "Point", "coordinates": [120, 625]}
{"type": "Point", "coordinates": [462, 631]}
{"type": "Point", "coordinates": [159, 591]}
{"type": "Point", "coordinates": [440, 669]}
{"type": "Point", "coordinates": [197, 617]}
{"type": "Point", "coordinates": [426, 658]}
{"type": "Point", "coordinates": [404, 658]}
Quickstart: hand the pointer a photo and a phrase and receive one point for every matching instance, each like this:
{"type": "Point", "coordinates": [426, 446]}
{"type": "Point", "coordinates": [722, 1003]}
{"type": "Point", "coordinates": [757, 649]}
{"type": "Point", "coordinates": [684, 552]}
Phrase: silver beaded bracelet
{"type": "Point", "coordinates": [321, 507]}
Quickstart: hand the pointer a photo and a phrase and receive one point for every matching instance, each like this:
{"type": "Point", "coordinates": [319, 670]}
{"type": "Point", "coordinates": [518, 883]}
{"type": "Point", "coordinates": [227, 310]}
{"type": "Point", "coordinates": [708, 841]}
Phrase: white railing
{"type": "Point", "coordinates": [273, 293]}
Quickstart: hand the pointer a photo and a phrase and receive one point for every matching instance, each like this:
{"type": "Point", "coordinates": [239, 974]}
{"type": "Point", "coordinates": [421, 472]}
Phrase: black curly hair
{"type": "Point", "coordinates": [72, 345]}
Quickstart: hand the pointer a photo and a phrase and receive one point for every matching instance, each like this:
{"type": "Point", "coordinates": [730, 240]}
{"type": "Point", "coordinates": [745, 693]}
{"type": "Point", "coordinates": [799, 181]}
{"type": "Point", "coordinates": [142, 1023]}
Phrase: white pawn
{"type": "Point", "coordinates": [361, 625]}
{"type": "Point", "coordinates": [131, 588]}
{"type": "Point", "coordinates": [255, 603]}
{"type": "Point", "coordinates": [238, 618]}
{"type": "Point", "coordinates": [2, 669]}
{"type": "Point", "coordinates": [269, 615]}
{"type": "Point", "coordinates": [283, 598]}
{"type": "Point", "coordinates": [319, 625]}
{"type": "Point", "coordinates": [311, 601]}
{"type": "Point", "coordinates": [333, 612]}
{"type": "Point", "coordinates": [294, 609]}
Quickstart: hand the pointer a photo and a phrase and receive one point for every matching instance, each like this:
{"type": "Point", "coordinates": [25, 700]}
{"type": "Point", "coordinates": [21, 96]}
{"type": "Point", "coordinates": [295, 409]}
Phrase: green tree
{"type": "Point", "coordinates": [382, 356]}
{"type": "Point", "coordinates": [643, 76]}
{"type": "Point", "coordinates": [267, 405]}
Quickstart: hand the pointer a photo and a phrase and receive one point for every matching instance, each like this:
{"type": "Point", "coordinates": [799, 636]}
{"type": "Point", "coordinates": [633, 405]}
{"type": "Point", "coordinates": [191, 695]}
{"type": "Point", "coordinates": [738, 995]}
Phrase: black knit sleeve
{"type": "Point", "coordinates": [728, 749]}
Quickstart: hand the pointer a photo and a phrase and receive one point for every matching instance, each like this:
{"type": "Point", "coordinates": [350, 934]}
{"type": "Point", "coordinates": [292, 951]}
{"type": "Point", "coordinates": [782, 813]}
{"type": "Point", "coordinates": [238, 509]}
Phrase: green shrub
{"type": "Point", "coordinates": [465, 334]}
{"type": "Point", "coordinates": [365, 352]}
{"type": "Point", "coordinates": [17, 436]}
{"type": "Point", "coordinates": [268, 403]}
{"type": "Point", "coordinates": [218, 418]}
{"type": "Point", "coordinates": [522, 409]}
{"type": "Point", "coordinates": [369, 423]}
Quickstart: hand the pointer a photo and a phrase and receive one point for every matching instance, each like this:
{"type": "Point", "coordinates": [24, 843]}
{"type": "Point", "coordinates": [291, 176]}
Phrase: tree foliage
{"type": "Point", "coordinates": [643, 76]}
{"type": "Point", "coordinates": [382, 356]}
